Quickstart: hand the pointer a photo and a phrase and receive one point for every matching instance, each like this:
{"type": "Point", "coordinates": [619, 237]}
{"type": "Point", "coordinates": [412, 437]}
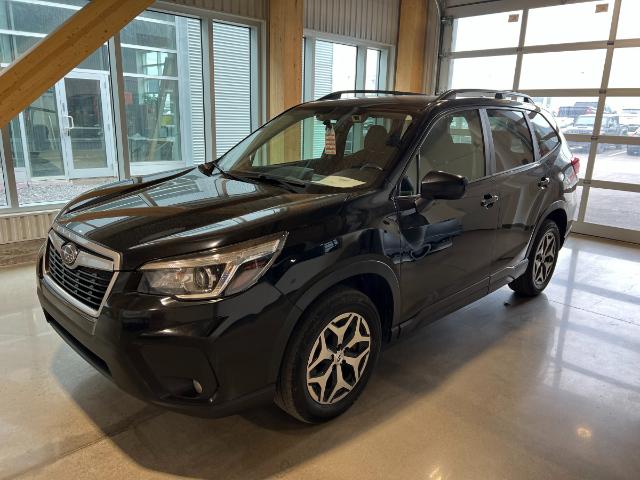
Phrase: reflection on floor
{"type": "Point", "coordinates": [506, 388]}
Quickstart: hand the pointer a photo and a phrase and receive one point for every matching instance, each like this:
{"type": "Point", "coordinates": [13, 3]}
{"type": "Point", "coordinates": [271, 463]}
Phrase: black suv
{"type": "Point", "coordinates": [281, 269]}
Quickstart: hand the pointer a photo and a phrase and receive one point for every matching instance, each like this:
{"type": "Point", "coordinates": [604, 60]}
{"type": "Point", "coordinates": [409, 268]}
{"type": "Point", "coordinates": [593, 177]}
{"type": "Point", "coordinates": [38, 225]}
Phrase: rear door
{"type": "Point", "coordinates": [447, 244]}
{"type": "Point", "coordinates": [521, 181]}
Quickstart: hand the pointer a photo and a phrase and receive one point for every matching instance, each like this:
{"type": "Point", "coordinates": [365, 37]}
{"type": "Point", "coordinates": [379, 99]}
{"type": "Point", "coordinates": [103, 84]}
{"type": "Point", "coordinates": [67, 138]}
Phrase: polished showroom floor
{"type": "Point", "coordinates": [546, 388]}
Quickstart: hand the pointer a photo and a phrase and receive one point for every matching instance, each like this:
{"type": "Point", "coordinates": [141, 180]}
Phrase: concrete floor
{"type": "Point", "coordinates": [505, 388]}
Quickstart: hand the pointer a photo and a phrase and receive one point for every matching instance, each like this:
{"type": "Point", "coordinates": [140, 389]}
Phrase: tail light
{"type": "Point", "coordinates": [575, 163]}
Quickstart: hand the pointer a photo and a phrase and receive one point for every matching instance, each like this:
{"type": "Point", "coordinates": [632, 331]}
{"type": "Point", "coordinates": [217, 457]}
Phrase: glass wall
{"type": "Point", "coordinates": [598, 110]}
{"type": "Point", "coordinates": [162, 63]}
{"type": "Point", "coordinates": [330, 66]}
{"type": "Point", "coordinates": [69, 139]}
{"type": "Point", "coordinates": [63, 143]}
{"type": "Point", "coordinates": [335, 68]}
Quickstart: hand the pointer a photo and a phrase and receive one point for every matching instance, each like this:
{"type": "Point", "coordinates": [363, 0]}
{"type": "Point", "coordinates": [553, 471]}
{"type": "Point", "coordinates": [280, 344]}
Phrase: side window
{"type": "Point", "coordinates": [545, 134]}
{"type": "Point", "coordinates": [455, 145]}
{"type": "Point", "coordinates": [511, 139]}
{"type": "Point", "coordinates": [410, 183]}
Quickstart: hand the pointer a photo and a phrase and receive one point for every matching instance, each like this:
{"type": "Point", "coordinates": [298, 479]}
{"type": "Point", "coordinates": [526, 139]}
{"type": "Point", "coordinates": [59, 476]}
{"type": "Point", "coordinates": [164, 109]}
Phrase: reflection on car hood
{"type": "Point", "coordinates": [185, 212]}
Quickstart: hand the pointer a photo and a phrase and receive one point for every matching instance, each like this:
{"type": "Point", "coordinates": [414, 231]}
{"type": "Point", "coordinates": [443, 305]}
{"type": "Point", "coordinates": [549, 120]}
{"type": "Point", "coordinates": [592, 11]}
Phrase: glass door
{"type": "Point", "coordinates": [87, 125]}
{"type": "Point", "coordinates": [44, 150]}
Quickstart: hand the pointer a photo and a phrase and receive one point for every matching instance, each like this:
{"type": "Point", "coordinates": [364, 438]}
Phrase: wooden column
{"type": "Point", "coordinates": [411, 45]}
{"type": "Point", "coordinates": [285, 54]}
{"type": "Point", "coordinates": [36, 70]}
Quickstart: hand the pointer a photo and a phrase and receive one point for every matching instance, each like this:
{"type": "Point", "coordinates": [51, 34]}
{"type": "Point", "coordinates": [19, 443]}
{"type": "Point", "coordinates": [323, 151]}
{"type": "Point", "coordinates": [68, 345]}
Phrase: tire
{"type": "Point", "coordinates": [316, 343]}
{"type": "Point", "coordinates": [537, 276]}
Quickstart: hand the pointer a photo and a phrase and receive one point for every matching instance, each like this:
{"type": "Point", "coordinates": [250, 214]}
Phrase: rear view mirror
{"type": "Point", "coordinates": [442, 185]}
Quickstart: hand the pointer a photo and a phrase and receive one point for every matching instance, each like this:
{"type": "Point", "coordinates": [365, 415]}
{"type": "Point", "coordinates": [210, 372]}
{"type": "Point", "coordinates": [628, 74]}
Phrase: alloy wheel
{"type": "Point", "coordinates": [338, 358]}
{"type": "Point", "coordinates": [545, 259]}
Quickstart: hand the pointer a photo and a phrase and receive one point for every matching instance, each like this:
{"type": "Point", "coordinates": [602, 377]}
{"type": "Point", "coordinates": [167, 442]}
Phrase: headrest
{"type": "Point", "coordinates": [376, 138]}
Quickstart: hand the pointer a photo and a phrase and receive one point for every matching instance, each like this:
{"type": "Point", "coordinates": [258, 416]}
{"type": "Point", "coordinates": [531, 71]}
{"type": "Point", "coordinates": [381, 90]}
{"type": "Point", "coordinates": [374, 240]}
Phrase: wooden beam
{"type": "Point", "coordinates": [411, 46]}
{"type": "Point", "coordinates": [285, 54]}
{"type": "Point", "coordinates": [36, 70]}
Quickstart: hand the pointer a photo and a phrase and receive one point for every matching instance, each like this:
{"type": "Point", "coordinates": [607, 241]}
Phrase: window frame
{"type": "Point", "coordinates": [415, 150]}
{"type": "Point", "coordinates": [386, 61]}
{"type": "Point", "coordinates": [534, 143]}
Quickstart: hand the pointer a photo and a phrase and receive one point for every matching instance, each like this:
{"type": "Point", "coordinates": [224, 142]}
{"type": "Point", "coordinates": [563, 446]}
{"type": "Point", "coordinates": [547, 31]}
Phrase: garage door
{"type": "Point", "coordinates": [579, 61]}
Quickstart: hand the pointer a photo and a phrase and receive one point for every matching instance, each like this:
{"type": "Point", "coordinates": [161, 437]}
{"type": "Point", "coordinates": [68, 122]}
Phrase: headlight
{"type": "Point", "coordinates": [212, 273]}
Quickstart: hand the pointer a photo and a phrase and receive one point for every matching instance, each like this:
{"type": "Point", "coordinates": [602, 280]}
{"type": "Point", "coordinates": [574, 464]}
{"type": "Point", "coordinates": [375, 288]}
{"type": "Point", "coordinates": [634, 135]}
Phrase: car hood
{"type": "Point", "coordinates": [146, 218]}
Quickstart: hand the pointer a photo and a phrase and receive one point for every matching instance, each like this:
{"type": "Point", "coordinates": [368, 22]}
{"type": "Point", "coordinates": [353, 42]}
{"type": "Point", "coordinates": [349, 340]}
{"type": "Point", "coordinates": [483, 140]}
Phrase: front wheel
{"type": "Point", "coordinates": [542, 261]}
{"type": "Point", "coordinates": [330, 357]}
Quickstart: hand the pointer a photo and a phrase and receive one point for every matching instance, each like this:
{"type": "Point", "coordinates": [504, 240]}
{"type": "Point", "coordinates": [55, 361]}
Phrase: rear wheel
{"type": "Point", "coordinates": [330, 356]}
{"type": "Point", "coordinates": [542, 261]}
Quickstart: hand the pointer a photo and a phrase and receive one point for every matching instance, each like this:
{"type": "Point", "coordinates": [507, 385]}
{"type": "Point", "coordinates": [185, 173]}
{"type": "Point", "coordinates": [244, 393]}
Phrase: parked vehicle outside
{"type": "Point", "coordinates": [280, 270]}
{"type": "Point", "coordinates": [584, 125]}
{"type": "Point", "coordinates": [634, 149]}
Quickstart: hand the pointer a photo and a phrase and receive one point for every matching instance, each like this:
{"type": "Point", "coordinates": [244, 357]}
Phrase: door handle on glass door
{"type": "Point", "coordinates": [71, 123]}
{"type": "Point", "coordinates": [489, 200]}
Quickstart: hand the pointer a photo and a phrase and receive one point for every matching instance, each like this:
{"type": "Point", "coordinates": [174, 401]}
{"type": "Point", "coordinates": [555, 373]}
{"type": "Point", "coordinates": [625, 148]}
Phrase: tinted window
{"type": "Point", "coordinates": [545, 134]}
{"type": "Point", "coordinates": [511, 139]}
{"type": "Point", "coordinates": [455, 145]}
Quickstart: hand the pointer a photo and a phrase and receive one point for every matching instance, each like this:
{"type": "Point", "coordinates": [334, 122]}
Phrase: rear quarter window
{"type": "Point", "coordinates": [546, 136]}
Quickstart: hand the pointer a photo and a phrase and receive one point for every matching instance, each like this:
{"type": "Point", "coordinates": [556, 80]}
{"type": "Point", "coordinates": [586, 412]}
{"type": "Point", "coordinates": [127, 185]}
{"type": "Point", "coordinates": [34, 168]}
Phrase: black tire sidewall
{"type": "Point", "coordinates": [547, 226]}
{"type": "Point", "coordinates": [339, 302]}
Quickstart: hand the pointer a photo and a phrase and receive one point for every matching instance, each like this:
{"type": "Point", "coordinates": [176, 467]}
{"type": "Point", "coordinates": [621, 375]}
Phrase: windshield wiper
{"type": "Point", "coordinates": [207, 168]}
{"type": "Point", "coordinates": [290, 185]}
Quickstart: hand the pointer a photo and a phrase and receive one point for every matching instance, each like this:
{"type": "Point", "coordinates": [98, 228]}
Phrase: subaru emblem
{"type": "Point", "coordinates": [69, 253]}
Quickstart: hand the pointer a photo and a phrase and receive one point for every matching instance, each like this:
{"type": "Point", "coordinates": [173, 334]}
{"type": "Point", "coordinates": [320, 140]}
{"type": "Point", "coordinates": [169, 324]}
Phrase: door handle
{"type": "Point", "coordinates": [489, 200]}
{"type": "Point", "coordinates": [71, 124]}
{"type": "Point", "coordinates": [544, 182]}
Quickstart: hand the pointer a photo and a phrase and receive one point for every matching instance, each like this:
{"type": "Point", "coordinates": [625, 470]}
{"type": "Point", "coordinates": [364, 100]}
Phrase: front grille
{"type": "Point", "coordinates": [87, 285]}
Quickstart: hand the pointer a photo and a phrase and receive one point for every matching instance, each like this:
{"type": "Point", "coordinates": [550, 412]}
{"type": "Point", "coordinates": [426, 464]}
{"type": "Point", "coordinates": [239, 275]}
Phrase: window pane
{"type": "Point", "coordinates": [628, 111]}
{"type": "Point", "coordinates": [455, 145]}
{"type": "Point", "coordinates": [162, 59]}
{"type": "Point", "coordinates": [577, 22]}
{"type": "Point", "coordinates": [628, 25]}
{"type": "Point", "coordinates": [546, 136]}
{"type": "Point", "coordinates": [372, 70]}
{"type": "Point", "coordinates": [335, 68]}
{"type": "Point", "coordinates": [485, 72]}
{"type": "Point", "coordinates": [579, 69]}
{"type": "Point", "coordinates": [613, 208]}
{"type": "Point", "coordinates": [232, 81]}
{"type": "Point", "coordinates": [511, 139]}
{"type": "Point", "coordinates": [617, 163]}
{"type": "Point", "coordinates": [566, 110]}
{"type": "Point", "coordinates": [624, 71]}
{"type": "Point", "coordinates": [410, 182]}
{"type": "Point", "coordinates": [470, 33]}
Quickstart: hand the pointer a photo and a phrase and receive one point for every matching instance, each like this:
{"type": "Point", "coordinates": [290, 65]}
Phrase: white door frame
{"type": "Point", "coordinates": [66, 123]}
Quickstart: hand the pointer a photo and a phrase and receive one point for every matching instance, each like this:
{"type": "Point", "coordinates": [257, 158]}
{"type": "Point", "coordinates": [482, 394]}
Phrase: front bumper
{"type": "Point", "coordinates": [154, 347]}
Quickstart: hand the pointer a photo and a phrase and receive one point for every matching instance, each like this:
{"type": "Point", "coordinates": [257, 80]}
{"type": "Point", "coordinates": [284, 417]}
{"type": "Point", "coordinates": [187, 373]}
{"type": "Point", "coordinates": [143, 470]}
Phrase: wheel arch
{"type": "Point", "coordinates": [557, 212]}
{"type": "Point", "coordinates": [374, 278]}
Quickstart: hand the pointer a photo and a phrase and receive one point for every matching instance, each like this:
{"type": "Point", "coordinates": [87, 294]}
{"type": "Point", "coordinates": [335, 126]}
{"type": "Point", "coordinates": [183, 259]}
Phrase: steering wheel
{"type": "Point", "coordinates": [371, 165]}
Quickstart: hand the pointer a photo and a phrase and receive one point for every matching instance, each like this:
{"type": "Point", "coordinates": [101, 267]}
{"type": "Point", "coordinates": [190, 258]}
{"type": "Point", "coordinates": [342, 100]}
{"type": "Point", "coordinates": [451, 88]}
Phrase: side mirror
{"type": "Point", "coordinates": [442, 185]}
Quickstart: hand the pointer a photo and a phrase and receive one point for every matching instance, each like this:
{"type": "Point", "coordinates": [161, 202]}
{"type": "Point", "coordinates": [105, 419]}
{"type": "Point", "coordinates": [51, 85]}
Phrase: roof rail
{"type": "Point", "coordinates": [497, 94]}
{"type": "Point", "coordinates": [337, 95]}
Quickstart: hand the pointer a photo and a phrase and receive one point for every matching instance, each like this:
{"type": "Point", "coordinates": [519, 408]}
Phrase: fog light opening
{"type": "Point", "coordinates": [197, 386]}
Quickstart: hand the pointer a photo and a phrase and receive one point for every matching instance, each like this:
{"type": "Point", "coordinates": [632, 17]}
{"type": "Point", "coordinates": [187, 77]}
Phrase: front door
{"type": "Point", "coordinates": [448, 244]}
{"type": "Point", "coordinates": [87, 127]}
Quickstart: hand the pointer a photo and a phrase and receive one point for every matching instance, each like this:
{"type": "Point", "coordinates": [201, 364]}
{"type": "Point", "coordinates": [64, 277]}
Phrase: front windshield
{"type": "Point", "coordinates": [587, 121]}
{"type": "Point", "coordinates": [342, 147]}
